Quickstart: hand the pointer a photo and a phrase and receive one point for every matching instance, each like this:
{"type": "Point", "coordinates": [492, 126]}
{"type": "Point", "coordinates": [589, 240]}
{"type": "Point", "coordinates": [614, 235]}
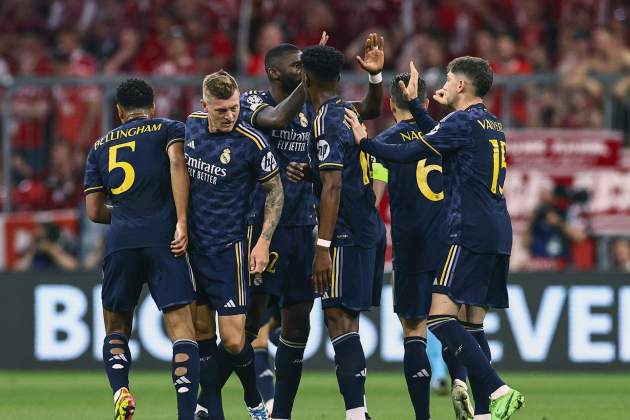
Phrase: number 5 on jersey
{"type": "Point", "coordinates": [130, 174]}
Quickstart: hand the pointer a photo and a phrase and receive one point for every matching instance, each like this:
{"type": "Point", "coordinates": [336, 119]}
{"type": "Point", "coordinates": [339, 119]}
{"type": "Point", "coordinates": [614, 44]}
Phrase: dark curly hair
{"type": "Point", "coordinates": [396, 94]}
{"type": "Point", "coordinates": [476, 69]}
{"type": "Point", "coordinates": [134, 94]}
{"type": "Point", "coordinates": [323, 62]}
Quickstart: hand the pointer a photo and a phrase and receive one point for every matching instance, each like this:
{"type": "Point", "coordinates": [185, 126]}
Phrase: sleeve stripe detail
{"type": "Point", "coordinates": [93, 189]}
{"type": "Point", "coordinates": [173, 141]}
{"type": "Point", "coordinates": [429, 146]}
{"type": "Point", "coordinates": [198, 116]}
{"type": "Point", "coordinates": [269, 175]}
{"type": "Point", "coordinates": [318, 124]}
{"type": "Point", "coordinates": [252, 136]}
{"type": "Point", "coordinates": [332, 165]}
{"type": "Point", "coordinates": [256, 111]}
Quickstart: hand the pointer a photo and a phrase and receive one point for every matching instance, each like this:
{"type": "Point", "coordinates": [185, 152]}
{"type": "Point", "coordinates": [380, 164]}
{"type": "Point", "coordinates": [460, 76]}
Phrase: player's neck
{"type": "Point", "coordinates": [277, 93]}
{"type": "Point", "coordinates": [400, 115]}
{"type": "Point", "coordinates": [464, 103]}
{"type": "Point", "coordinates": [318, 98]}
{"type": "Point", "coordinates": [136, 115]}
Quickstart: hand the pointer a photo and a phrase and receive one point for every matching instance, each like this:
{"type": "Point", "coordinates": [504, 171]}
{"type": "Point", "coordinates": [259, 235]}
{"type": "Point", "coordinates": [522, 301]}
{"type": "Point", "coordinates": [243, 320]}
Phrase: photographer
{"type": "Point", "coordinates": [555, 226]}
{"type": "Point", "coordinates": [49, 249]}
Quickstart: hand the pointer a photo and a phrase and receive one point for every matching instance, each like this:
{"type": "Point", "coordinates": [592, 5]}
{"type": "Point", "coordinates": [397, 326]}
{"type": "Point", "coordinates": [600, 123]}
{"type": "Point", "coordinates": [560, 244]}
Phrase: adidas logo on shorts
{"type": "Point", "coordinates": [230, 304]}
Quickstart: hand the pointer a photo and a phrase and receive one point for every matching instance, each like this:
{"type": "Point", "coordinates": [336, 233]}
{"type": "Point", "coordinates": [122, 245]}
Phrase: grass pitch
{"type": "Point", "coordinates": [56, 395]}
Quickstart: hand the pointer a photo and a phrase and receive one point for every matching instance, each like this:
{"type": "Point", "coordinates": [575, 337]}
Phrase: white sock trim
{"type": "Point", "coordinates": [355, 413]}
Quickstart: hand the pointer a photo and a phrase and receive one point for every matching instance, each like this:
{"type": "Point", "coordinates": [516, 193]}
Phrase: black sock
{"type": "Point", "coordinates": [288, 374]}
{"type": "Point", "coordinates": [456, 369]}
{"type": "Point", "coordinates": [264, 374]}
{"type": "Point", "coordinates": [351, 370]}
{"type": "Point", "coordinates": [418, 375]}
{"type": "Point", "coordinates": [482, 402]}
{"type": "Point", "coordinates": [453, 335]}
{"type": "Point", "coordinates": [243, 365]}
{"type": "Point", "coordinates": [117, 360]}
{"type": "Point", "coordinates": [186, 377]}
{"type": "Point", "coordinates": [210, 395]}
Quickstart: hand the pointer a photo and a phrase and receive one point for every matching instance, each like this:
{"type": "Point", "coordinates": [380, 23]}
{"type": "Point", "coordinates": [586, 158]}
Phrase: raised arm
{"type": "Point", "coordinates": [180, 184]}
{"type": "Point", "coordinates": [372, 62]}
{"type": "Point", "coordinates": [410, 93]}
{"type": "Point", "coordinates": [328, 211]}
{"type": "Point", "coordinates": [280, 116]}
{"type": "Point", "coordinates": [274, 202]}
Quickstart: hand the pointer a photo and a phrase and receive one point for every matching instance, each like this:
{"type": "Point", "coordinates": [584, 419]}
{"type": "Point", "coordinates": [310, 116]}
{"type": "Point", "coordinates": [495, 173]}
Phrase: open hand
{"type": "Point", "coordinates": [324, 39]}
{"type": "Point", "coordinates": [410, 92]}
{"type": "Point", "coordinates": [358, 129]}
{"type": "Point", "coordinates": [373, 54]}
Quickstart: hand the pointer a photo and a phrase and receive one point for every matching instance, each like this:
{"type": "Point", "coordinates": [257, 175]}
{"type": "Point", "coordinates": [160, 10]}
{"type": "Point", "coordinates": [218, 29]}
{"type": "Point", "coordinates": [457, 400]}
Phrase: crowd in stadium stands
{"type": "Point", "coordinates": [580, 39]}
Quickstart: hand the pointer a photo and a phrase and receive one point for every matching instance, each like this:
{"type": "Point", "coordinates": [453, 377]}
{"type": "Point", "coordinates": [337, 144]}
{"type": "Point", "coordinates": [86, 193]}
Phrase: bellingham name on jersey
{"type": "Point", "coordinates": [130, 165]}
{"type": "Point", "coordinates": [223, 169]}
{"type": "Point", "coordinates": [472, 145]}
{"type": "Point", "coordinates": [289, 145]}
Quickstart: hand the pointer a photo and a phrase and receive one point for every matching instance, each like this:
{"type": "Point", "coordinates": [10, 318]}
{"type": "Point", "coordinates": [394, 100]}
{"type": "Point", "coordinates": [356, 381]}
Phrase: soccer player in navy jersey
{"type": "Point", "coordinates": [343, 267]}
{"type": "Point", "coordinates": [139, 168]}
{"type": "Point", "coordinates": [472, 145]}
{"type": "Point", "coordinates": [282, 114]}
{"type": "Point", "coordinates": [226, 158]}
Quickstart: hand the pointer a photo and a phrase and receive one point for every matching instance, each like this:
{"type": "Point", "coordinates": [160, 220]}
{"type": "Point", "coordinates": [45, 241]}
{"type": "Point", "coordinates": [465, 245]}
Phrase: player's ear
{"type": "Point", "coordinates": [204, 104]}
{"type": "Point", "coordinates": [392, 106]}
{"type": "Point", "coordinates": [152, 110]}
{"type": "Point", "coordinates": [426, 103]}
{"type": "Point", "coordinates": [272, 73]}
{"type": "Point", "coordinates": [121, 113]}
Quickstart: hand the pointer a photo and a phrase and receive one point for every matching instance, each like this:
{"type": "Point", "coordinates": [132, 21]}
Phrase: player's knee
{"type": "Point", "coordinates": [340, 322]}
{"type": "Point", "coordinates": [414, 327]}
{"type": "Point", "coordinates": [232, 341]}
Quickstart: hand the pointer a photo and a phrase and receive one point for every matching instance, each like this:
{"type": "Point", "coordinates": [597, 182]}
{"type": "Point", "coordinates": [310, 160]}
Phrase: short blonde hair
{"type": "Point", "coordinates": [219, 84]}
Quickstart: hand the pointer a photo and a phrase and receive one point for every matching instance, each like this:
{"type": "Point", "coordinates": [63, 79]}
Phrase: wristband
{"type": "Point", "coordinates": [323, 243]}
{"type": "Point", "coordinates": [375, 79]}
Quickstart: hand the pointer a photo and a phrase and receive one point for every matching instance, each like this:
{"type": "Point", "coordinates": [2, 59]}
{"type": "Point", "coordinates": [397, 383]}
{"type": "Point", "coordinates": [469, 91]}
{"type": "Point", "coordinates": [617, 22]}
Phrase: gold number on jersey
{"type": "Point", "coordinates": [273, 261]}
{"type": "Point", "coordinates": [130, 174]}
{"type": "Point", "coordinates": [498, 163]}
{"type": "Point", "coordinates": [366, 167]}
{"type": "Point", "coordinates": [422, 176]}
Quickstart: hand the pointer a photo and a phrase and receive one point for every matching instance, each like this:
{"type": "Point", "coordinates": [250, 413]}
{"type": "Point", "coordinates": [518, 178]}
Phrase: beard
{"type": "Point", "coordinates": [289, 85]}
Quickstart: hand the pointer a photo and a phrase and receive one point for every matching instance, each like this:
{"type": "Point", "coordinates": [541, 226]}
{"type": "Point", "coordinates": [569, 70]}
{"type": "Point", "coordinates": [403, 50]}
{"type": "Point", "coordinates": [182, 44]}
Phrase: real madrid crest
{"type": "Point", "coordinates": [303, 120]}
{"type": "Point", "coordinates": [225, 156]}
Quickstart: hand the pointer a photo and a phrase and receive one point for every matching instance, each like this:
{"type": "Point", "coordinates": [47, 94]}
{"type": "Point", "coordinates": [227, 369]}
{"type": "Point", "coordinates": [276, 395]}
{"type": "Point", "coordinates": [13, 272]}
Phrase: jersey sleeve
{"type": "Point", "coordinates": [93, 181]}
{"type": "Point", "coordinates": [380, 172]}
{"type": "Point", "coordinates": [175, 134]}
{"type": "Point", "coordinates": [450, 134]}
{"type": "Point", "coordinates": [330, 148]}
{"type": "Point", "coordinates": [251, 104]}
{"type": "Point", "coordinates": [421, 116]}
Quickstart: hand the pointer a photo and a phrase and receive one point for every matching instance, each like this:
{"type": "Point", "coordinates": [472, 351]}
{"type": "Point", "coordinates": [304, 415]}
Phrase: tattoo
{"type": "Point", "coordinates": [273, 206]}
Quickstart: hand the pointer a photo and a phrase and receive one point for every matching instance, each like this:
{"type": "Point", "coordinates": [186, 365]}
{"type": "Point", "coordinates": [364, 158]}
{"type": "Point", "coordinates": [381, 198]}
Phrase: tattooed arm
{"type": "Point", "coordinates": [274, 201]}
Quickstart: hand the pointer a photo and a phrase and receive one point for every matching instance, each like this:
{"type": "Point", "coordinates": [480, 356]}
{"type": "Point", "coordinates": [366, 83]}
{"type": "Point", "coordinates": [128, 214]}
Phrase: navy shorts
{"type": "Point", "coordinates": [412, 293]}
{"type": "Point", "coordinates": [125, 271]}
{"type": "Point", "coordinates": [472, 278]}
{"type": "Point", "coordinates": [352, 279]}
{"type": "Point", "coordinates": [379, 265]}
{"type": "Point", "coordinates": [288, 275]}
{"type": "Point", "coordinates": [222, 279]}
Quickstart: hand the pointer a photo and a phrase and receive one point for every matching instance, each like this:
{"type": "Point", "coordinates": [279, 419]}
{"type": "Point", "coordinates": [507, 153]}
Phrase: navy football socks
{"type": "Point", "coordinates": [186, 377]}
{"type": "Point", "coordinates": [453, 335]}
{"type": "Point", "coordinates": [418, 375]}
{"type": "Point", "coordinates": [243, 365]}
{"type": "Point", "coordinates": [288, 374]}
{"type": "Point", "coordinates": [264, 374]}
{"type": "Point", "coordinates": [351, 370]}
{"type": "Point", "coordinates": [117, 360]}
{"type": "Point", "coordinates": [210, 395]}
{"type": "Point", "coordinates": [482, 402]}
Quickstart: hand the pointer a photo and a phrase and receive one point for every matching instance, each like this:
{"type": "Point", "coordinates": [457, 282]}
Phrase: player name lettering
{"type": "Point", "coordinates": [130, 132]}
{"type": "Point", "coordinates": [491, 125]}
{"type": "Point", "coordinates": [411, 135]}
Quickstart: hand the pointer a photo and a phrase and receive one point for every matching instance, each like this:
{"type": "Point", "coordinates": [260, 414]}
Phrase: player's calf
{"type": "Point", "coordinates": [416, 366]}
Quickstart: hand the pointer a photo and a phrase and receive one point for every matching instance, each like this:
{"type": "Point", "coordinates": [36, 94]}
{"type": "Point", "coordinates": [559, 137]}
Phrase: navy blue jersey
{"type": "Point", "coordinates": [289, 145]}
{"type": "Point", "coordinates": [223, 169]}
{"type": "Point", "coordinates": [472, 145]}
{"type": "Point", "coordinates": [333, 148]}
{"type": "Point", "coordinates": [416, 199]}
{"type": "Point", "coordinates": [130, 165]}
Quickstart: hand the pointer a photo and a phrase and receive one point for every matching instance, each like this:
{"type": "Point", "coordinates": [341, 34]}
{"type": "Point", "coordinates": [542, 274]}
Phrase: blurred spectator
{"type": "Point", "coordinates": [621, 254]}
{"type": "Point", "coordinates": [268, 37]}
{"type": "Point", "coordinates": [64, 181]}
{"type": "Point", "coordinates": [49, 248]}
{"type": "Point", "coordinates": [553, 228]}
